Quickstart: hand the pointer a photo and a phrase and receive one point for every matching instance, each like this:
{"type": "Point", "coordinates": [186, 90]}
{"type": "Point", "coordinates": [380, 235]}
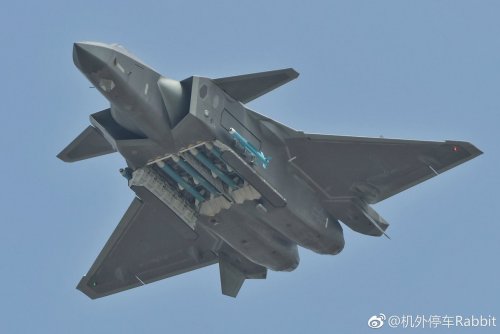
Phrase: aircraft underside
{"type": "Point", "coordinates": [216, 182]}
{"type": "Point", "coordinates": [236, 204]}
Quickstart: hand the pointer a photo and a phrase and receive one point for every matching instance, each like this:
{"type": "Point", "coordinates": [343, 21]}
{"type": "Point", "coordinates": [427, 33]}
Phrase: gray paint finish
{"type": "Point", "coordinates": [257, 217]}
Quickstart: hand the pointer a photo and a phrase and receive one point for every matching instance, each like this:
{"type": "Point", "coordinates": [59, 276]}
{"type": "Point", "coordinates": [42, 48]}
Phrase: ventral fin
{"type": "Point", "coordinates": [231, 278]}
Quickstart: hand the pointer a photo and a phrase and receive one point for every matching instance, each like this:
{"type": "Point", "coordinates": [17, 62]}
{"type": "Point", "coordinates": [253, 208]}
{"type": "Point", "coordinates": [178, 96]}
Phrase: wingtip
{"type": "Point", "coordinates": [467, 146]}
{"type": "Point", "coordinates": [476, 151]}
{"type": "Point", "coordinates": [63, 157]}
{"type": "Point", "coordinates": [85, 288]}
{"type": "Point", "coordinates": [472, 149]}
{"type": "Point", "coordinates": [293, 73]}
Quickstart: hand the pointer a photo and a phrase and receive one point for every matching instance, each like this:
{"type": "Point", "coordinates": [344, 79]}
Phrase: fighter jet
{"type": "Point", "coordinates": [216, 182]}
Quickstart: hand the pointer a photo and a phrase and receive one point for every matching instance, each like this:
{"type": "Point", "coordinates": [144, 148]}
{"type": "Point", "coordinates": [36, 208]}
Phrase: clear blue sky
{"type": "Point", "coordinates": [404, 69]}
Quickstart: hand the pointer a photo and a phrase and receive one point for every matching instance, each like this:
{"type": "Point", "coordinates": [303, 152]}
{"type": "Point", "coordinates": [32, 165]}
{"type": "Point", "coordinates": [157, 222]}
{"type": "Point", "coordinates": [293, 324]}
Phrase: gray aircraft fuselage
{"type": "Point", "coordinates": [249, 188]}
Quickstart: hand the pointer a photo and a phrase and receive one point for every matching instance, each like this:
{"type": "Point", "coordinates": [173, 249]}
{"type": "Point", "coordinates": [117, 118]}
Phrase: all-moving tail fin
{"type": "Point", "coordinates": [248, 87]}
{"type": "Point", "coordinates": [90, 143]}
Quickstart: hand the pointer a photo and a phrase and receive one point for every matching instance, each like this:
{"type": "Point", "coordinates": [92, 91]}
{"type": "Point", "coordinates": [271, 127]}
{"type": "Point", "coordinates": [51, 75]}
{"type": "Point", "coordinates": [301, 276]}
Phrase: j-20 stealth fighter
{"type": "Point", "coordinates": [216, 182]}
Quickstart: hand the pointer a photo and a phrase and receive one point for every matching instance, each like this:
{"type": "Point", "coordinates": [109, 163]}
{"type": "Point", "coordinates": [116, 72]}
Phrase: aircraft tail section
{"type": "Point", "coordinates": [90, 143]}
{"type": "Point", "coordinates": [248, 87]}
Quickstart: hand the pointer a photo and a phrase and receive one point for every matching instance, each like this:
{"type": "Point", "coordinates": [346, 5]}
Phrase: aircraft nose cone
{"type": "Point", "coordinates": [87, 57]}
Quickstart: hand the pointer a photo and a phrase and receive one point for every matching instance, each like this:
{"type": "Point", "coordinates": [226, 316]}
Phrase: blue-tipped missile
{"type": "Point", "coordinates": [180, 181]}
{"type": "Point", "coordinates": [250, 148]}
{"type": "Point", "coordinates": [216, 171]}
{"type": "Point", "coordinates": [195, 175]}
